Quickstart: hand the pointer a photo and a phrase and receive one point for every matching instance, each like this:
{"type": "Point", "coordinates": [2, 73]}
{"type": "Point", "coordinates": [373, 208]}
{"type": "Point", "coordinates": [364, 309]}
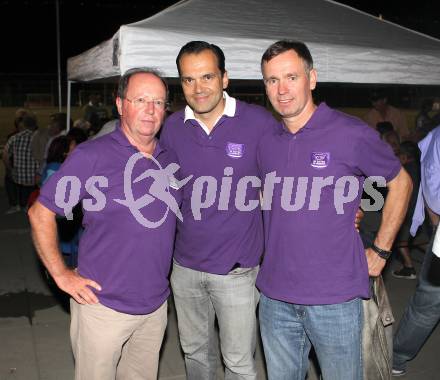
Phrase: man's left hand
{"type": "Point", "coordinates": [375, 263]}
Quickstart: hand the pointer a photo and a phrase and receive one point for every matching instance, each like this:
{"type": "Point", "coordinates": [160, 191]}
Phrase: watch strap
{"type": "Point", "coordinates": [381, 252]}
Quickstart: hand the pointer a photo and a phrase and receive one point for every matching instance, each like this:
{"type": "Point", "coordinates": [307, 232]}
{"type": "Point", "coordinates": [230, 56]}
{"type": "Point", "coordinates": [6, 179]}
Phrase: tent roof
{"type": "Point", "coordinates": [347, 45]}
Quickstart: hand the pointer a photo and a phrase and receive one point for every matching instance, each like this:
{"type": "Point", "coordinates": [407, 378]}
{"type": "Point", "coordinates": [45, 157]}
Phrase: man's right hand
{"type": "Point", "coordinates": [77, 286]}
{"type": "Point", "coordinates": [375, 263]}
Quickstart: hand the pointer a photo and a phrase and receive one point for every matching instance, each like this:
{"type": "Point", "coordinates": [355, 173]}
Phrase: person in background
{"type": "Point", "coordinates": [108, 127]}
{"type": "Point", "coordinates": [409, 155]}
{"type": "Point", "coordinates": [436, 110]}
{"type": "Point", "coordinates": [18, 158]}
{"type": "Point", "coordinates": [57, 153]}
{"type": "Point", "coordinates": [422, 313]}
{"type": "Point", "coordinates": [384, 127]}
{"type": "Point", "coordinates": [10, 186]}
{"type": "Point", "coordinates": [95, 113]}
{"type": "Point", "coordinates": [82, 124]}
{"type": "Point", "coordinates": [392, 139]}
{"type": "Point", "coordinates": [382, 111]}
{"type": "Point", "coordinates": [39, 146]}
{"type": "Point", "coordinates": [424, 121]}
{"type": "Point", "coordinates": [57, 127]}
{"type": "Point", "coordinates": [76, 136]}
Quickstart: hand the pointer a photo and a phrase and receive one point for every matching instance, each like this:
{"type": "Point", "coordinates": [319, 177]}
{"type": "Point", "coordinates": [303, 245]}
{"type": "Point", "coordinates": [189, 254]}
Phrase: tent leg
{"type": "Point", "coordinates": [69, 93]}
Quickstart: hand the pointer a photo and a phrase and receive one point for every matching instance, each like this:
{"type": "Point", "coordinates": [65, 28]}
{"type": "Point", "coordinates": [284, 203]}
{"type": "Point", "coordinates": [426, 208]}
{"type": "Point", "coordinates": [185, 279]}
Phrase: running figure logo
{"type": "Point", "coordinates": [163, 179]}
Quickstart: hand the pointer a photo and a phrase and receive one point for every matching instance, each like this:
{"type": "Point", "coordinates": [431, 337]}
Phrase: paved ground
{"type": "Point", "coordinates": [34, 342]}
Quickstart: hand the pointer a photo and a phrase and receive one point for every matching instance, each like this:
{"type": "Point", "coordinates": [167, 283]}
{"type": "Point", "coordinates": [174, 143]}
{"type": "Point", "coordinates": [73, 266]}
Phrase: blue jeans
{"type": "Point", "coordinates": [289, 330]}
{"type": "Point", "coordinates": [199, 297]}
{"type": "Point", "coordinates": [419, 319]}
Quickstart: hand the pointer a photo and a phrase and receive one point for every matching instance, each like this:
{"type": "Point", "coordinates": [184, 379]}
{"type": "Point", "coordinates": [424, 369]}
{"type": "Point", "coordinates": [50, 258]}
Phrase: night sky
{"type": "Point", "coordinates": [29, 27]}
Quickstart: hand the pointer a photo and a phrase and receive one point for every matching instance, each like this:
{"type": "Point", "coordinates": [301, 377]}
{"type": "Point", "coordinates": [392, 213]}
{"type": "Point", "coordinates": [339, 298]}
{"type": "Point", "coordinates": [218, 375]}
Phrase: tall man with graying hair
{"type": "Point", "coordinates": [315, 270]}
{"type": "Point", "coordinates": [119, 290]}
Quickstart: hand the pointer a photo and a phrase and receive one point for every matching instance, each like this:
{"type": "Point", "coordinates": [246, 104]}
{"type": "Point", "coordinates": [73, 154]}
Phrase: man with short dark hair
{"type": "Point", "coordinates": [120, 288]}
{"type": "Point", "coordinates": [315, 269]}
{"type": "Point", "coordinates": [217, 252]}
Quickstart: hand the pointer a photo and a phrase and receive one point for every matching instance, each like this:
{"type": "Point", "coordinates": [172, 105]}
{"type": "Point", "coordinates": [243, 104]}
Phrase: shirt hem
{"type": "Point", "coordinates": [219, 271]}
{"type": "Point", "coordinates": [325, 300]}
{"type": "Point", "coordinates": [135, 311]}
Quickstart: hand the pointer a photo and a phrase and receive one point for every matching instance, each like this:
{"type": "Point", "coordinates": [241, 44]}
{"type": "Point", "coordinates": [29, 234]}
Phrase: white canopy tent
{"type": "Point", "coordinates": [347, 45]}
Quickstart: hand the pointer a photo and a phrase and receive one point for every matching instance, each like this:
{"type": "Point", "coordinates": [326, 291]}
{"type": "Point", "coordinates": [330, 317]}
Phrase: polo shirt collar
{"type": "Point", "coordinates": [229, 110]}
{"type": "Point", "coordinates": [316, 121]}
{"type": "Point", "coordinates": [121, 139]}
{"type": "Point", "coordinates": [119, 136]}
{"type": "Point", "coordinates": [158, 149]}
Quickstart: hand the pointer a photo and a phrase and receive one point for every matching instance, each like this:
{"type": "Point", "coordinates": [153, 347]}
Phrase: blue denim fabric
{"type": "Point", "coordinates": [289, 330]}
{"type": "Point", "coordinates": [200, 297]}
{"type": "Point", "coordinates": [420, 317]}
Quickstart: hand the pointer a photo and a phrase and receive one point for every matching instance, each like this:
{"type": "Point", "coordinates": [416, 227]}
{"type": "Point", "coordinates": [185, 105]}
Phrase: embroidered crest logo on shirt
{"type": "Point", "coordinates": [234, 150]}
{"type": "Point", "coordinates": [320, 160]}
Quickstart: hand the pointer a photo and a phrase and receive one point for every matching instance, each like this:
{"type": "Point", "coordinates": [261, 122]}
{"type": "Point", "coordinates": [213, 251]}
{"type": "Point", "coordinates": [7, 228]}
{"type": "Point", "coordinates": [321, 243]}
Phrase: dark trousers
{"type": "Point", "coordinates": [11, 190]}
{"type": "Point", "coordinates": [23, 194]}
{"type": "Point", "coordinates": [421, 315]}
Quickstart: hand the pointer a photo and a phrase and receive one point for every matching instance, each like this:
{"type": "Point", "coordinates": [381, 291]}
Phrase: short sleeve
{"type": "Point", "coordinates": [9, 143]}
{"type": "Point", "coordinates": [66, 187]}
{"type": "Point", "coordinates": [374, 157]}
{"type": "Point", "coordinates": [271, 124]}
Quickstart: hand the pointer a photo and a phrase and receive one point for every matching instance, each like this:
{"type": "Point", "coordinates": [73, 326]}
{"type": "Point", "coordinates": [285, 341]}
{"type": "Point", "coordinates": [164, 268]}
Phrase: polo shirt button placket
{"type": "Point", "coordinates": [292, 139]}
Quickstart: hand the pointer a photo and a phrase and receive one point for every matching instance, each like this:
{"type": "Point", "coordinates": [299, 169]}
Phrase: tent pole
{"type": "Point", "coordinates": [58, 55]}
{"type": "Point", "coordinates": [69, 92]}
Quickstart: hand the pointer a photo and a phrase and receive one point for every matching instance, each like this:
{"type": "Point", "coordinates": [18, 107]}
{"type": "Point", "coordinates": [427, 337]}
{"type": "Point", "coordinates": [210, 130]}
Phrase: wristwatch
{"type": "Point", "coordinates": [381, 252]}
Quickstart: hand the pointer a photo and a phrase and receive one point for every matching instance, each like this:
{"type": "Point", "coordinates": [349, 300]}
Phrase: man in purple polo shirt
{"type": "Point", "coordinates": [120, 288]}
{"type": "Point", "coordinates": [218, 247]}
{"type": "Point", "coordinates": [315, 270]}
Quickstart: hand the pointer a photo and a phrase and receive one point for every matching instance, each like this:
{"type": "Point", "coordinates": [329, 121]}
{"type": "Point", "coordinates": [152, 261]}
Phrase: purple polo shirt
{"type": "Point", "coordinates": [119, 249]}
{"type": "Point", "coordinates": [314, 256]}
{"type": "Point", "coordinates": [222, 238]}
